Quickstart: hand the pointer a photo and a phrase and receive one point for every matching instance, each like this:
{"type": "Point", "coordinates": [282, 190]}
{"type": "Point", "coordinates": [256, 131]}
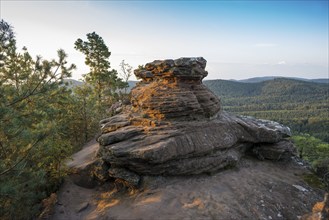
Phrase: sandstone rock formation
{"type": "Point", "coordinates": [175, 127]}
{"type": "Point", "coordinates": [173, 89]}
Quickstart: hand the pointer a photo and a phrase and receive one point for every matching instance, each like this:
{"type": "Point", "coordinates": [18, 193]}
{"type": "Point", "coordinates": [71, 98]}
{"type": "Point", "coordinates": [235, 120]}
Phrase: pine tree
{"type": "Point", "coordinates": [85, 119]}
{"type": "Point", "coordinates": [102, 78]}
{"type": "Point", "coordinates": [33, 126]}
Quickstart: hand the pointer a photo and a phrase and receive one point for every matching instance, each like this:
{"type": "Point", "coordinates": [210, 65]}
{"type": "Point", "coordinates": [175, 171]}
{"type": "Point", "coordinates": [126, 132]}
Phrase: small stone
{"type": "Point", "coordinates": [300, 188]}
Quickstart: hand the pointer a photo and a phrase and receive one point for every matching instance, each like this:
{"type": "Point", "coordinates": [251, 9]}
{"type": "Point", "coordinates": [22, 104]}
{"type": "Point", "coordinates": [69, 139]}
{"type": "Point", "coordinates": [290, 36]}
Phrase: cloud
{"type": "Point", "coordinates": [282, 62]}
{"type": "Point", "coordinates": [265, 45]}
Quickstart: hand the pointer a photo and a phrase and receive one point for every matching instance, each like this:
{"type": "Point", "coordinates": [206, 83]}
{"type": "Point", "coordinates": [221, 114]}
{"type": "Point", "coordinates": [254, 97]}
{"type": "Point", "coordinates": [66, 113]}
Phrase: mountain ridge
{"type": "Point", "coordinates": [275, 86]}
{"type": "Point", "coordinates": [266, 78]}
{"type": "Point", "coordinates": [132, 83]}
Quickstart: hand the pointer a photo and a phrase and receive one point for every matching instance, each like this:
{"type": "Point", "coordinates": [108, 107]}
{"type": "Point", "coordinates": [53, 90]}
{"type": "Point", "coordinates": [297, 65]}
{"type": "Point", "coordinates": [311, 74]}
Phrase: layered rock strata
{"type": "Point", "coordinates": [175, 127]}
{"type": "Point", "coordinates": [173, 89]}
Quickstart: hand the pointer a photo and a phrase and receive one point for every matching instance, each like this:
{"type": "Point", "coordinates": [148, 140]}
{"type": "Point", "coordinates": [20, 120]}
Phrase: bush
{"type": "Point", "coordinates": [316, 152]}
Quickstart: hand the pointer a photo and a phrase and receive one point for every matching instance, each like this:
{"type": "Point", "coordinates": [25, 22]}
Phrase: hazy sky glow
{"type": "Point", "coordinates": [239, 39]}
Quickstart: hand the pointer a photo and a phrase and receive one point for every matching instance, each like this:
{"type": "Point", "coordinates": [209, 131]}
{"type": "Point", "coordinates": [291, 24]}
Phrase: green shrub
{"type": "Point", "coordinates": [316, 152]}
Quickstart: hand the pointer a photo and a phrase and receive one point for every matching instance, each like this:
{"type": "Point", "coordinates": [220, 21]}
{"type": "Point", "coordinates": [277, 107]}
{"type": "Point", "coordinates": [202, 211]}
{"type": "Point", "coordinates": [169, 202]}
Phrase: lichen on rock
{"type": "Point", "coordinates": [175, 127]}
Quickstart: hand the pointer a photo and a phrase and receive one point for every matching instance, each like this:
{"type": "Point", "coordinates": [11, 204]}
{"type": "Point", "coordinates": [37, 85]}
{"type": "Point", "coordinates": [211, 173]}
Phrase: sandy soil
{"type": "Point", "coordinates": [253, 190]}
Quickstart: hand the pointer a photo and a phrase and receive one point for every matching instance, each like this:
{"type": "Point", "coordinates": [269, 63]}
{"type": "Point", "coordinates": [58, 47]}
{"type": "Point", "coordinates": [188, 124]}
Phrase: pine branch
{"type": "Point", "coordinates": [33, 91]}
{"type": "Point", "coordinates": [24, 157]}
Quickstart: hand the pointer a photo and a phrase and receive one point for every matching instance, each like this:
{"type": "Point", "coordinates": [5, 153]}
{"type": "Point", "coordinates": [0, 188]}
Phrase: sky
{"type": "Point", "coordinates": [239, 39]}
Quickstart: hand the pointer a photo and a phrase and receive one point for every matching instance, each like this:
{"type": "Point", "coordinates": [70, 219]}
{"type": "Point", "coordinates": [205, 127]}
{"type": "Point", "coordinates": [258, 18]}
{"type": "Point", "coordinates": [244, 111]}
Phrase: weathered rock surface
{"type": "Point", "coordinates": [173, 89]}
{"type": "Point", "coordinates": [193, 147]}
{"type": "Point", "coordinates": [254, 190]}
{"type": "Point", "coordinates": [175, 127]}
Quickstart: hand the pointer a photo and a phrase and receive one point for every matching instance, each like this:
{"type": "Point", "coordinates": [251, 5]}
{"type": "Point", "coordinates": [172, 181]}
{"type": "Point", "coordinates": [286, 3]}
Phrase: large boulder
{"type": "Point", "coordinates": [175, 127]}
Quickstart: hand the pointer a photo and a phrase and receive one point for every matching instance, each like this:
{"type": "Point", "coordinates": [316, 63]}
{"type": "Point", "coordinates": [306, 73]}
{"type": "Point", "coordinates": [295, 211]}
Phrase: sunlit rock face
{"type": "Point", "coordinates": [173, 89]}
{"type": "Point", "coordinates": [175, 127]}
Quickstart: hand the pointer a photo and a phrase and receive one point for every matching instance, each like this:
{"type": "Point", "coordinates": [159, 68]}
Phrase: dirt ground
{"type": "Point", "coordinates": [253, 190]}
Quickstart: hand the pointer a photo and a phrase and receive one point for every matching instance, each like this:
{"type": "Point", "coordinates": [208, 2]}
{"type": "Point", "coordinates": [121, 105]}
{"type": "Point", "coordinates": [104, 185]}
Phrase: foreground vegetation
{"type": "Point", "coordinates": [42, 121]}
{"type": "Point", "coordinates": [316, 152]}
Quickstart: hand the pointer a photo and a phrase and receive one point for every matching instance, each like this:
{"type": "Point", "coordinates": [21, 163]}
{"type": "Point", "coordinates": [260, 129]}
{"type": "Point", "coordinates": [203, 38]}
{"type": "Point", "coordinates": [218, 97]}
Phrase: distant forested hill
{"type": "Point", "coordinates": [265, 78]}
{"type": "Point", "coordinates": [302, 105]}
